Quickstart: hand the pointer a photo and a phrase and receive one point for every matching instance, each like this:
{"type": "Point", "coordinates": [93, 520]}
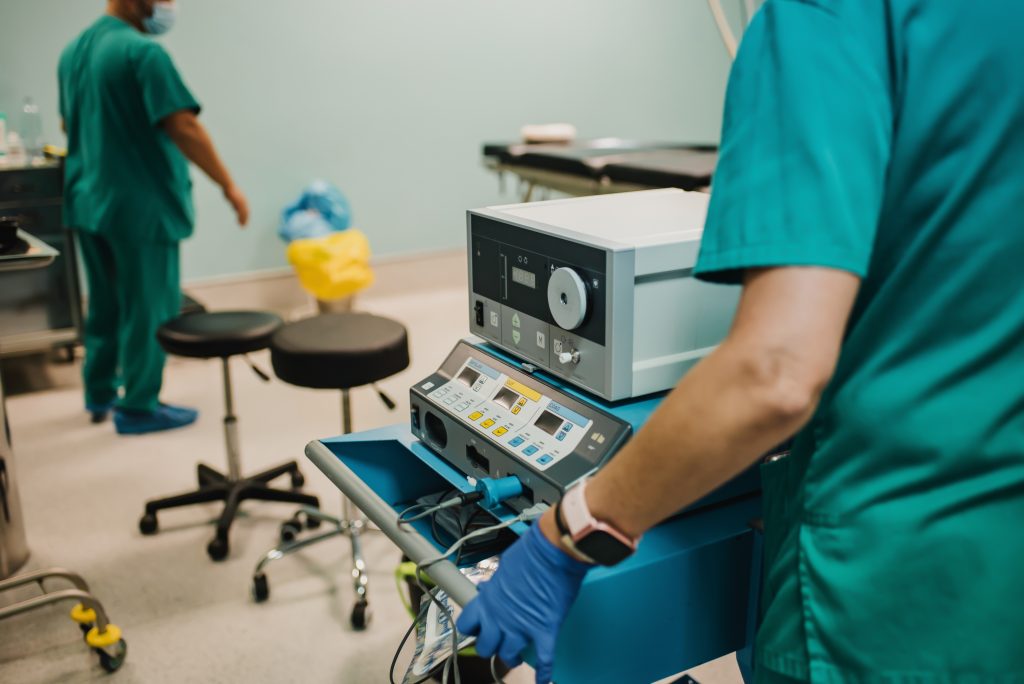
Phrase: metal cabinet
{"type": "Point", "coordinates": [39, 309]}
{"type": "Point", "coordinates": [13, 548]}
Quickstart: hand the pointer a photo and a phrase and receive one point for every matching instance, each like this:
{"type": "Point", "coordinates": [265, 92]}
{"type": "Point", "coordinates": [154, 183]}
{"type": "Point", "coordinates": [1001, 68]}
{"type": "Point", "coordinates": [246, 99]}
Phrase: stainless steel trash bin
{"type": "Point", "coordinates": [13, 545]}
{"type": "Point", "coordinates": [24, 253]}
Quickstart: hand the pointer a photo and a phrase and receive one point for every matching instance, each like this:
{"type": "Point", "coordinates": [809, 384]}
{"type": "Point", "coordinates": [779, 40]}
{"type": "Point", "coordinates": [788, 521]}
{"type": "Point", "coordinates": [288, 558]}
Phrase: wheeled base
{"type": "Point", "coordinates": [215, 486]}
{"type": "Point", "coordinates": [103, 637]}
{"type": "Point", "coordinates": [352, 527]}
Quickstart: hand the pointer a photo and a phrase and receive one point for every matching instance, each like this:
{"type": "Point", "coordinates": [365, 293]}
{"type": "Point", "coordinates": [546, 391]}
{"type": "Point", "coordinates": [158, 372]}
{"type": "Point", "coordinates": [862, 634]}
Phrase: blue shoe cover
{"type": "Point", "coordinates": [128, 422]}
{"type": "Point", "coordinates": [182, 412]}
{"type": "Point", "coordinates": [99, 412]}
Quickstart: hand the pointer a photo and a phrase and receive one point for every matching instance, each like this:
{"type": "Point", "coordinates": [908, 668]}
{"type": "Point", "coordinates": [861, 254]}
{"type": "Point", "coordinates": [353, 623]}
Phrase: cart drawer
{"type": "Point", "coordinates": [30, 184]}
{"type": "Point", "coordinates": [38, 219]}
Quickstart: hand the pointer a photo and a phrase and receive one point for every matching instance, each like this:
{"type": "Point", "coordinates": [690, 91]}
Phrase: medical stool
{"type": "Point", "coordinates": [338, 351]}
{"type": "Point", "coordinates": [223, 335]}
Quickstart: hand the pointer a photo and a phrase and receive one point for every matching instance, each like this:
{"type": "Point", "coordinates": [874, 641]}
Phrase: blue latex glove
{"type": "Point", "coordinates": [526, 601]}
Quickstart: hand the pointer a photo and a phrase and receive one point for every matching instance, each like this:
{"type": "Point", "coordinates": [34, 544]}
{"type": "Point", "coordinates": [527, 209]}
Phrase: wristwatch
{"type": "Point", "coordinates": [586, 536]}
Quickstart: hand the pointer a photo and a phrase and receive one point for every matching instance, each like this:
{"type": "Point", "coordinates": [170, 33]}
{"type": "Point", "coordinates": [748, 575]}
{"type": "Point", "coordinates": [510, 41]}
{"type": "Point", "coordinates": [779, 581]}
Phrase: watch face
{"type": "Point", "coordinates": [603, 548]}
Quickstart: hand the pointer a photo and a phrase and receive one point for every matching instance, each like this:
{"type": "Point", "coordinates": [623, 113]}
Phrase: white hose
{"type": "Point", "coordinates": [723, 27]}
{"type": "Point", "coordinates": [751, 8]}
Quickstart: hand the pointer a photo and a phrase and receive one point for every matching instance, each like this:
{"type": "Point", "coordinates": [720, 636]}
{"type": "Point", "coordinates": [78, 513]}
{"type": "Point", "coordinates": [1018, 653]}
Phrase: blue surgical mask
{"type": "Point", "coordinates": [165, 13]}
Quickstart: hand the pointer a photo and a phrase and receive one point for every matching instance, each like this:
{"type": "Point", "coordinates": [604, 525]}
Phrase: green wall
{"type": "Point", "coordinates": [391, 99]}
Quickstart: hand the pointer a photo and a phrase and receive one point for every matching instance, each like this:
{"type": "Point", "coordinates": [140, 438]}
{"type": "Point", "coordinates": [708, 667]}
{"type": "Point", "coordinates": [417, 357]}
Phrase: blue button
{"type": "Point", "coordinates": [545, 459]}
{"type": "Point", "coordinates": [561, 437]}
{"type": "Point", "coordinates": [530, 450]}
{"type": "Point", "coordinates": [516, 441]}
{"type": "Point", "coordinates": [567, 427]}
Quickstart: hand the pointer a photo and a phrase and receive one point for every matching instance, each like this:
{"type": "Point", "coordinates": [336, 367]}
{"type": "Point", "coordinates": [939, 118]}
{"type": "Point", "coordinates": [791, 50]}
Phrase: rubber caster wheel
{"type": "Point", "coordinates": [111, 659]}
{"type": "Point", "coordinates": [312, 523]}
{"type": "Point", "coordinates": [260, 588]}
{"type": "Point", "coordinates": [217, 549]}
{"type": "Point", "coordinates": [290, 530]}
{"type": "Point", "coordinates": [147, 524]}
{"type": "Point", "coordinates": [361, 615]}
{"type": "Point", "coordinates": [298, 480]}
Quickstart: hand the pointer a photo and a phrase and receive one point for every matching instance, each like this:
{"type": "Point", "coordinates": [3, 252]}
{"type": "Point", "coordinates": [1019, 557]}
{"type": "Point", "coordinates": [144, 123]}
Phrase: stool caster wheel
{"type": "Point", "coordinates": [361, 615]}
{"type": "Point", "coordinates": [217, 549]}
{"type": "Point", "coordinates": [112, 658]}
{"type": "Point", "coordinates": [290, 529]}
{"type": "Point", "coordinates": [147, 524]}
{"type": "Point", "coordinates": [260, 588]}
{"type": "Point", "coordinates": [298, 480]}
{"type": "Point", "coordinates": [312, 523]}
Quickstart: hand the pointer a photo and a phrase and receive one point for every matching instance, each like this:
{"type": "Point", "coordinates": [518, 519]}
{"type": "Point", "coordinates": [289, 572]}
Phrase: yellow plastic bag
{"type": "Point", "coordinates": [334, 266]}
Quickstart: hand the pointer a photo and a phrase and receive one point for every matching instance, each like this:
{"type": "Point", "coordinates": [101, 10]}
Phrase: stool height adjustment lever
{"type": "Point", "coordinates": [388, 401]}
{"type": "Point", "coordinates": [263, 375]}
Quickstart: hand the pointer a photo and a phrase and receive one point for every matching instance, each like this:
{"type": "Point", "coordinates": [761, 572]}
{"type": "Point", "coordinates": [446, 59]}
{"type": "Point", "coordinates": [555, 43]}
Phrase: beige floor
{"type": "Point", "coordinates": [187, 619]}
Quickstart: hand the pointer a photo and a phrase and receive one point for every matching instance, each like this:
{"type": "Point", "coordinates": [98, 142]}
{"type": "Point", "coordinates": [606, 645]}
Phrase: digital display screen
{"type": "Point", "coordinates": [549, 422]}
{"type": "Point", "coordinates": [524, 277]}
{"type": "Point", "coordinates": [468, 376]}
{"type": "Point", "coordinates": [506, 397]}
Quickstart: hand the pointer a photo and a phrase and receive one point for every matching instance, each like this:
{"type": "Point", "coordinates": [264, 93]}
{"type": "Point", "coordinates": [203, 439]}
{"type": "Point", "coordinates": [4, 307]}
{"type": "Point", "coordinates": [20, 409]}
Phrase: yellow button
{"type": "Point", "coordinates": [476, 415]}
{"type": "Point", "coordinates": [516, 410]}
{"type": "Point", "coordinates": [522, 402]}
{"type": "Point", "coordinates": [500, 431]}
{"type": "Point", "coordinates": [487, 423]}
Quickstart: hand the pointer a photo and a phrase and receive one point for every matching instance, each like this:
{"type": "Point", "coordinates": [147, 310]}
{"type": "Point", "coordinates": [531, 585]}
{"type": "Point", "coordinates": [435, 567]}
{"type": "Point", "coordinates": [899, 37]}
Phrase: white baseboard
{"type": "Point", "coordinates": [279, 290]}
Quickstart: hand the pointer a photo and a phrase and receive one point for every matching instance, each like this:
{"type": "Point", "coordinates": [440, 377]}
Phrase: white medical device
{"type": "Point", "coordinates": [598, 291]}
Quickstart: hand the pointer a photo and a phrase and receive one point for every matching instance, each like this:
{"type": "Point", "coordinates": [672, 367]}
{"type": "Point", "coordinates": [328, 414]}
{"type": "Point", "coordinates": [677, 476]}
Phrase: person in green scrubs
{"type": "Point", "coordinates": [132, 128]}
{"type": "Point", "coordinates": [870, 200]}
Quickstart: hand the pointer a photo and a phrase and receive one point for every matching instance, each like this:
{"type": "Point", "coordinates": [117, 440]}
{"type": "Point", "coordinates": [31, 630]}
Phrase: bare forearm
{"type": "Point", "coordinates": [710, 428]}
{"type": "Point", "coordinates": [753, 392]}
{"type": "Point", "coordinates": [191, 137]}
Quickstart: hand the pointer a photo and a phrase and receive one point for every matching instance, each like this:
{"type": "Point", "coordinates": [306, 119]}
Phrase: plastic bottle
{"type": "Point", "coordinates": [3, 135]}
{"type": "Point", "coordinates": [31, 129]}
{"type": "Point", "coordinates": [15, 150]}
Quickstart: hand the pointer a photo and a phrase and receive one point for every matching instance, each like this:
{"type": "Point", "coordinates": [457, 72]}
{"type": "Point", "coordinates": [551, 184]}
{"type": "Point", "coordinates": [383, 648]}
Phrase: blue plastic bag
{"type": "Point", "coordinates": [319, 211]}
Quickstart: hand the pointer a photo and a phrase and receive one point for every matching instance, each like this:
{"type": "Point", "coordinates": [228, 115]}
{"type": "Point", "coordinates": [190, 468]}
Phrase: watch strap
{"type": "Point", "coordinates": [566, 536]}
{"type": "Point", "coordinates": [576, 523]}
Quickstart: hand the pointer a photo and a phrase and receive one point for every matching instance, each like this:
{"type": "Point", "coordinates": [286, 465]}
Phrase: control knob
{"type": "Point", "coordinates": [567, 298]}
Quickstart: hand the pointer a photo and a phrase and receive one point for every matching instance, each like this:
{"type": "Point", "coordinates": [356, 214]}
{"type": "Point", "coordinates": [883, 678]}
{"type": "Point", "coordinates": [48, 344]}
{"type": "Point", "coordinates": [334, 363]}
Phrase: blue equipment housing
{"type": "Point", "coordinates": [687, 596]}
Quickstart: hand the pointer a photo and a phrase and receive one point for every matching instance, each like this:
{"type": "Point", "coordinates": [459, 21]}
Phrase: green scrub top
{"type": "Point", "coordinates": [886, 138]}
{"type": "Point", "coordinates": [125, 178]}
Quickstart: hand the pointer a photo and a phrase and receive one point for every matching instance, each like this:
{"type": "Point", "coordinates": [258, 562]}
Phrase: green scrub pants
{"type": "Point", "coordinates": [134, 288]}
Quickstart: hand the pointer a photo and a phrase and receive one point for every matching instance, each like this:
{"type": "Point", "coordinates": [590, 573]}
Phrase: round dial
{"type": "Point", "coordinates": [567, 298]}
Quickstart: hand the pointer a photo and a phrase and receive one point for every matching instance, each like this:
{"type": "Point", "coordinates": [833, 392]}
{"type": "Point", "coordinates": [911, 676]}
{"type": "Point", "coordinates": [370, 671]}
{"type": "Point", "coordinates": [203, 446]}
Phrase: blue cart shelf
{"type": "Point", "coordinates": [683, 599]}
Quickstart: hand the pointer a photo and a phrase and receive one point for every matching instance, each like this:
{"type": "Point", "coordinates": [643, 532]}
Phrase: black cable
{"type": "Point", "coordinates": [401, 645]}
{"type": "Point", "coordinates": [453, 659]}
{"type": "Point", "coordinates": [434, 532]}
{"type": "Point", "coordinates": [465, 529]}
{"type": "Point", "coordinates": [443, 502]}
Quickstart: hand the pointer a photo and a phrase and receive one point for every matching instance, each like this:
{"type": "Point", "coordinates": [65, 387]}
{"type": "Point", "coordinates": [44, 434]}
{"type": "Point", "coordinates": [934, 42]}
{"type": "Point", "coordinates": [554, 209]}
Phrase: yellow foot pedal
{"type": "Point", "coordinates": [83, 615]}
{"type": "Point", "coordinates": [104, 640]}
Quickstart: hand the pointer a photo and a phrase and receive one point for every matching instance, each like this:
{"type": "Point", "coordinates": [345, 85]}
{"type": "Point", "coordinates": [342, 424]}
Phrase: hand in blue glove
{"type": "Point", "coordinates": [526, 601]}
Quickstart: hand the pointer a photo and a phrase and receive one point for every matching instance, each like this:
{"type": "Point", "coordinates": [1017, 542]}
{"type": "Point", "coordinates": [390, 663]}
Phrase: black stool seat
{"type": "Point", "coordinates": [339, 351]}
{"type": "Point", "coordinates": [208, 335]}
